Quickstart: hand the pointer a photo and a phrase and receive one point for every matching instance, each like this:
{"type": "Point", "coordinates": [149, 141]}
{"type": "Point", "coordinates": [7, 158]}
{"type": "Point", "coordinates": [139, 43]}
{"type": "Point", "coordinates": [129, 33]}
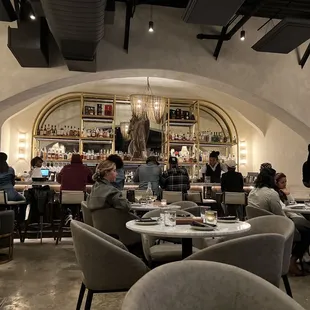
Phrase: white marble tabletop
{"type": "Point", "coordinates": [185, 231]}
{"type": "Point", "coordinates": [297, 208]}
{"type": "Point", "coordinates": [150, 207]}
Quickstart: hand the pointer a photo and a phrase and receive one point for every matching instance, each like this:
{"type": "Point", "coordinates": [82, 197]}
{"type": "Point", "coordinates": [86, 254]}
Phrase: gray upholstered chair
{"type": "Point", "coordinates": [112, 222]}
{"type": "Point", "coordinates": [185, 204]}
{"type": "Point", "coordinates": [106, 264]}
{"type": "Point", "coordinates": [204, 285]}
{"type": "Point", "coordinates": [193, 210]}
{"type": "Point", "coordinates": [252, 212]}
{"type": "Point", "coordinates": [278, 225]}
{"type": "Point", "coordinates": [87, 217]}
{"type": "Point", "coordinates": [6, 234]}
{"type": "Point", "coordinates": [259, 254]}
{"type": "Point", "coordinates": [171, 196]}
{"type": "Point", "coordinates": [156, 252]}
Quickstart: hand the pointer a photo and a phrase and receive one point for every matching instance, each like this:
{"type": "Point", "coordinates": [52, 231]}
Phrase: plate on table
{"type": "Point", "coordinates": [146, 222]}
{"type": "Point", "coordinates": [227, 219]}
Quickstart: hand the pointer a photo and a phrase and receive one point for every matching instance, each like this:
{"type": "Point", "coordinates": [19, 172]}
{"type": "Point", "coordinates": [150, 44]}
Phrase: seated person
{"type": "Point", "coordinates": [175, 178]}
{"type": "Point", "coordinates": [264, 196]}
{"type": "Point", "coordinates": [150, 172]}
{"type": "Point", "coordinates": [36, 164]}
{"type": "Point", "coordinates": [75, 176]}
{"type": "Point", "coordinates": [7, 180]}
{"type": "Point", "coordinates": [103, 194]}
{"type": "Point", "coordinates": [232, 181]}
{"type": "Point", "coordinates": [120, 172]}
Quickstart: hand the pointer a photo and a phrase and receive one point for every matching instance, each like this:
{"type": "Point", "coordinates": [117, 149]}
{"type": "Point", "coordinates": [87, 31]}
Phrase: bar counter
{"type": "Point", "coordinates": [195, 187]}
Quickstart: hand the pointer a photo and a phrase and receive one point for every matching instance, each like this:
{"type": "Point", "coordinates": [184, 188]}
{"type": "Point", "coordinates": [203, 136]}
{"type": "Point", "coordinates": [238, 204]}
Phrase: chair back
{"type": "Point", "coordinates": [3, 198]}
{"type": "Point", "coordinates": [193, 210]}
{"type": "Point", "coordinates": [185, 204]}
{"type": "Point", "coordinates": [6, 222]}
{"type": "Point", "coordinates": [259, 254]}
{"type": "Point", "coordinates": [87, 217]}
{"type": "Point", "coordinates": [105, 262]}
{"type": "Point", "coordinates": [195, 197]}
{"type": "Point", "coordinates": [233, 198]}
{"type": "Point", "coordinates": [112, 221]}
{"type": "Point", "coordinates": [172, 196]}
{"type": "Point", "coordinates": [72, 197]}
{"type": "Point", "coordinates": [252, 212]}
{"type": "Point", "coordinates": [199, 285]}
{"type": "Point", "coordinates": [278, 225]}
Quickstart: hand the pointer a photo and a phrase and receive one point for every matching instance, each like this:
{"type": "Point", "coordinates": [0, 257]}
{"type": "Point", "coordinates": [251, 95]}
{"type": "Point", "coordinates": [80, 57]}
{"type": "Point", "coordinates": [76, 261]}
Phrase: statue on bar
{"type": "Point", "coordinates": [138, 130]}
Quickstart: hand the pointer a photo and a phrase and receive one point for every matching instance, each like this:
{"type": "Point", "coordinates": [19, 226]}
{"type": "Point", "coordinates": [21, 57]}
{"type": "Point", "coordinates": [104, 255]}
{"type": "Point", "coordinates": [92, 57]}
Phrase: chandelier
{"type": "Point", "coordinates": [124, 126]}
{"type": "Point", "coordinates": [148, 105]}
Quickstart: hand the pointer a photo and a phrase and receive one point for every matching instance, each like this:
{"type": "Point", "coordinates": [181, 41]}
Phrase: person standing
{"type": "Point", "coordinates": [306, 170]}
{"type": "Point", "coordinates": [150, 172]}
{"type": "Point", "coordinates": [7, 180]}
{"type": "Point", "coordinates": [36, 164]}
{"type": "Point", "coordinates": [120, 172]}
{"type": "Point", "coordinates": [175, 178]}
{"type": "Point", "coordinates": [213, 169]}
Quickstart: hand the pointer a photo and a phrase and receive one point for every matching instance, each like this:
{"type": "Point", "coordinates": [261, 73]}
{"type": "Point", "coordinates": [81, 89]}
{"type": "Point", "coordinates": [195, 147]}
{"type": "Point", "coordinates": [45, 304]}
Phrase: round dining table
{"type": "Point", "coordinates": [151, 207]}
{"type": "Point", "coordinates": [297, 208]}
{"type": "Point", "coordinates": [187, 233]}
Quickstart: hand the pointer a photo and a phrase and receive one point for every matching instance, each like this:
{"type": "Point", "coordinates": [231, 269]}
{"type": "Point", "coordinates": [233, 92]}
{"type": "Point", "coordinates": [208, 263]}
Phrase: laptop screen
{"type": "Point", "coordinates": [45, 173]}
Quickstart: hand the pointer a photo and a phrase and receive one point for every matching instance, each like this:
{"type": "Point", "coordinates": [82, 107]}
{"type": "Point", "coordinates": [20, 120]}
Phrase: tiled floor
{"type": "Point", "coordinates": [47, 277]}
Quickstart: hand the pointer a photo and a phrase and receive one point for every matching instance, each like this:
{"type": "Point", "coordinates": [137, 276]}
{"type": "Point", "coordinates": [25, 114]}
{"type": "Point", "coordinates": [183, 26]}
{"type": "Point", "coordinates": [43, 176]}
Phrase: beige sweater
{"type": "Point", "coordinates": [267, 199]}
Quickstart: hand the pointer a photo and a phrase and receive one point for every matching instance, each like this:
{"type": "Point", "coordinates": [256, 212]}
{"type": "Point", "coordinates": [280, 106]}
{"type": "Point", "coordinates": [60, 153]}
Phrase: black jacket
{"type": "Point", "coordinates": [232, 181]}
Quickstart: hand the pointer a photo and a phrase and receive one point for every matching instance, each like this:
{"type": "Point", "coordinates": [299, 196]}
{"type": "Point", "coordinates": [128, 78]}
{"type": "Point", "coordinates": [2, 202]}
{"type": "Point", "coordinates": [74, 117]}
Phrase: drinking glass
{"type": "Point", "coordinates": [211, 217]}
{"type": "Point", "coordinates": [208, 179]}
{"type": "Point", "coordinates": [170, 218]}
{"type": "Point", "coordinates": [307, 203]}
{"type": "Point", "coordinates": [203, 211]}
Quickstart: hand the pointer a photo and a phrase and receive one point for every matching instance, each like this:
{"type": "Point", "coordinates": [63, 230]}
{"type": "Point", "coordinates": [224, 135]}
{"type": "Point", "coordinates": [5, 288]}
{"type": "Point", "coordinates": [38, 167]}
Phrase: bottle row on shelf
{"type": "Point", "coordinates": [97, 133]}
{"type": "Point", "coordinates": [53, 130]}
{"type": "Point", "coordinates": [203, 136]}
{"type": "Point", "coordinates": [181, 115]}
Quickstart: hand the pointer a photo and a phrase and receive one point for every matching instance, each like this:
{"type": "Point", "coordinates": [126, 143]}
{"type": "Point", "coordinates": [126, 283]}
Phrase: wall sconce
{"type": "Point", "coordinates": [22, 145]}
{"type": "Point", "coordinates": [242, 153]}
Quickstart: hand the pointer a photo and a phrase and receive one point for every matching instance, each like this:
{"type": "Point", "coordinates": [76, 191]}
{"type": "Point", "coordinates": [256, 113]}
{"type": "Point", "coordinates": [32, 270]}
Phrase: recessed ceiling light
{"type": "Point", "coordinates": [32, 16]}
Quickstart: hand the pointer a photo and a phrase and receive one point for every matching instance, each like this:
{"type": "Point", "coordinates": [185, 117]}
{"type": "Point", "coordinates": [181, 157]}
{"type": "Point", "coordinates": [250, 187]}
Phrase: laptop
{"type": "Point", "coordinates": [45, 173]}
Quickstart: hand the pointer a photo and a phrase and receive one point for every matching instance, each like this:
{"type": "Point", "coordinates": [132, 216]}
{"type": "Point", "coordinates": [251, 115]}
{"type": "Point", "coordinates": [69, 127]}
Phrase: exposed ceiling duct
{"type": "Point", "coordinates": [78, 27]}
{"type": "Point", "coordinates": [211, 12]}
{"type": "Point", "coordinates": [284, 37]}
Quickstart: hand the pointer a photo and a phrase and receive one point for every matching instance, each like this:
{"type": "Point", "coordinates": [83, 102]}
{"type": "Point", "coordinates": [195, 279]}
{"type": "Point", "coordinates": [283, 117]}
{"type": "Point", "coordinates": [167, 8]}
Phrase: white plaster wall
{"type": "Point", "coordinates": [274, 83]}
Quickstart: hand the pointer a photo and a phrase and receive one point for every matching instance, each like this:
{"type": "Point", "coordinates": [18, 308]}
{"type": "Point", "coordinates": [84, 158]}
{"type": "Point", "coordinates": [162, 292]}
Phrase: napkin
{"type": "Point", "coordinates": [187, 220]}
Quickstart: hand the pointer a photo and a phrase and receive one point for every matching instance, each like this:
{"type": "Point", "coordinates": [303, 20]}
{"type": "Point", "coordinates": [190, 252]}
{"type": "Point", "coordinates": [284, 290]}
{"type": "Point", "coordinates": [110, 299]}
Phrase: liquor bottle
{"type": "Point", "coordinates": [60, 131]}
{"type": "Point", "coordinates": [78, 133]}
{"type": "Point", "coordinates": [74, 131]}
{"type": "Point", "coordinates": [41, 131]}
{"type": "Point", "coordinates": [65, 131]}
{"type": "Point", "coordinates": [149, 191]}
{"type": "Point", "coordinates": [93, 133]}
{"type": "Point", "coordinates": [71, 132]}
{"type": "Point", "coordinates": [38, 131]}
{"type": "Point", "coordinates": [44, 131]}
{"type": "Point", "coordinates": [51, 131]}
{"type": "Point", "coordinates": [48, 130]}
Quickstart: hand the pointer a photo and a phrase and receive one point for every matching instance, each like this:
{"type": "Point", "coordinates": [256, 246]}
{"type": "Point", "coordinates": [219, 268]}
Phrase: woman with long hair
{"type": "Point", "coordinates": [103, 194]}
{"type": "Point", "coordinates": [7, 180]}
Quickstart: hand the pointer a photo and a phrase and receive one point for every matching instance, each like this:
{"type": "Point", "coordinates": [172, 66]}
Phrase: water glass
{"type": "Point", "coordinates": [170, 218]}
{"type": "Point", "coordinates": [203, 211]}
{"type": "Point", "coordinates": [211, 217]}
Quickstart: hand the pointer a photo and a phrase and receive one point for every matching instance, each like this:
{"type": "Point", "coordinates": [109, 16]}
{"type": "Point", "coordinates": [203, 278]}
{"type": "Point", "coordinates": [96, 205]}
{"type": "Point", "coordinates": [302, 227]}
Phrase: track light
{"type": "Point", "coordinates": [151, 26]}
{"type": "Point", "coordinates": [242, 35]}
{"type": "Point", "coordinates": [32, 16]}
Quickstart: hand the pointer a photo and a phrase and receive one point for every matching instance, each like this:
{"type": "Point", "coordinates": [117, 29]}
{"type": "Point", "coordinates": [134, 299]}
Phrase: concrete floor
{"type": "Point", "coordinates": [47, 277]}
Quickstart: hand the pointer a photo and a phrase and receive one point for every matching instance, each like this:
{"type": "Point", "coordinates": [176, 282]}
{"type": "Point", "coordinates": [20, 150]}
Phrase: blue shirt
{"type": "Point", "coordinates": [120, 179]}
{"type": "Point", "coordinates": [7, 179]}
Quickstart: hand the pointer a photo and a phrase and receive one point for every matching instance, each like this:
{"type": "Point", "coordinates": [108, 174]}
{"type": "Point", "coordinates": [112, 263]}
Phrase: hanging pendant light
{"type": "Point", "coordinates": [124, 126]}
{"type": "Point", "coordinates": [153, 107]}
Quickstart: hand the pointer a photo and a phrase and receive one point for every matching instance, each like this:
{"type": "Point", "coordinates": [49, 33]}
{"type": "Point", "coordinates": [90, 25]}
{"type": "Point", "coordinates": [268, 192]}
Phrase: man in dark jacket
{"type": "Point", "coordinates": [232, 181]}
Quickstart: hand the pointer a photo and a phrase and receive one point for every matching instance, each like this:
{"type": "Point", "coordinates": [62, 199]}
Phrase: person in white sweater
{"type": "Point", "coordinates": [265, 196]}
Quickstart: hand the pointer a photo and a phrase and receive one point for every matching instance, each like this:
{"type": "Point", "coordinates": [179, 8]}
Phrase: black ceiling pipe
{"type": "Point", "coordinates": [78, 27]}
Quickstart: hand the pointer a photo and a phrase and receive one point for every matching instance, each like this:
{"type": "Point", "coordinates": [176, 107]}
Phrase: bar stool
{"type": "Point", "coordinates": [68, 198]}
{"type": "Point", "coordinates": [172, 196]}
{"type": "Point", "coordinates": [235, 200]}
{"type": "Point", "coordinates": [15, 206]}
{"type": "Point", "coordinates": [6, 234]}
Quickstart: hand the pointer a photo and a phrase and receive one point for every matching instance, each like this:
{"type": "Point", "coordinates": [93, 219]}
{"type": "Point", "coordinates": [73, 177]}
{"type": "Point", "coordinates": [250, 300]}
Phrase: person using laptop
{"type": "Point", "coordinates": [36, 165]}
